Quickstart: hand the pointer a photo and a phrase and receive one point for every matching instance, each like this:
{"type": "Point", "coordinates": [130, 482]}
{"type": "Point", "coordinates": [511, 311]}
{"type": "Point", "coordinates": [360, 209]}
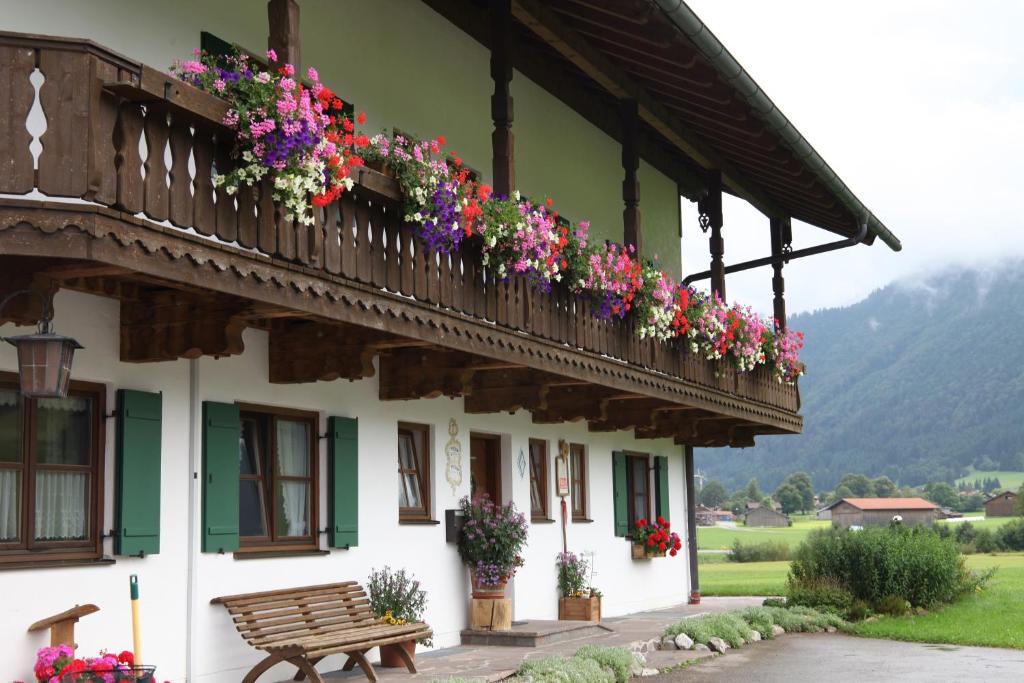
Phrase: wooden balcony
{"type": "Point", "coordinates": [115, 197]}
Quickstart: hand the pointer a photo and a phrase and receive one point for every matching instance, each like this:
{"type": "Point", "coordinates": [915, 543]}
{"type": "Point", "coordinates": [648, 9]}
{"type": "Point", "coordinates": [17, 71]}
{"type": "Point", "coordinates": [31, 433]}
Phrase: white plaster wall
{"type": "Point", "coordinates": [219, 655]}
{"type": "Point", "coordinates": [405, 66]}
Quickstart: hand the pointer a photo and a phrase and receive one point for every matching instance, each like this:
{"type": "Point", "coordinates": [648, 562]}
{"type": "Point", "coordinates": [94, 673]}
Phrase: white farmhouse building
{"type": "Point", "coordinates": [252, 393]}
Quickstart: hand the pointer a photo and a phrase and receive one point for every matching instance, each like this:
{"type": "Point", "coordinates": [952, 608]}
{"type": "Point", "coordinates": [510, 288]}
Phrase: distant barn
{"type": "Point", "coordinates": [762, 516]}
{"type": "Point", "coordinates": [866, 512]}
{"type": "Point", "coordinates": [1001, 505]}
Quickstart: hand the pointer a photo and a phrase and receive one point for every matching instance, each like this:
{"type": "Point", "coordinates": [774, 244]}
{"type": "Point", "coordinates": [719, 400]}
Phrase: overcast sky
{"type": "Point", "coordinates": [918, 105]}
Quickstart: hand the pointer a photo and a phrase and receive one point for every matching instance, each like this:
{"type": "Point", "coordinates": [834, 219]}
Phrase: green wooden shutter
{"type": "Point", "coordinates": [343, 482]}
{"type": "Point", "coordinates": [620, 494]}
{"type": "Point", "coordinates": [221, 432]}
{"type": "Point", "coordinates": [137, 488]}
{"type": "Point", "coordinates": [661, 486]}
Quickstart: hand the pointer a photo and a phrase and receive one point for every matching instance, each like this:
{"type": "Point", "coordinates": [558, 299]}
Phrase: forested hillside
{"type": "Point", "coordinates": [918, 382]}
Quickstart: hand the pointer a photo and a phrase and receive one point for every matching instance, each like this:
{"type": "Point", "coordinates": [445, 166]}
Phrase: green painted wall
{"type": "Point", "coordinates": [405, 66]}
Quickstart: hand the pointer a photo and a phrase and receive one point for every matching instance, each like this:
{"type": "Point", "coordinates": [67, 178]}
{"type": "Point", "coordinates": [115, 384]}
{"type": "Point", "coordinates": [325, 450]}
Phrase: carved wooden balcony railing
{"type": "Point", "coordinates": [122, 135]}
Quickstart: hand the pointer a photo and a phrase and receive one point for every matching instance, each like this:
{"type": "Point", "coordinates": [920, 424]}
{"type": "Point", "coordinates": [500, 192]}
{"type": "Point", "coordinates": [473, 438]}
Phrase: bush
{"type": "Point", "coordinates": [728, 626]}
{"type": "Point", "coordinates": [565, 670]}
{"type": "Point", "coordinates": [618, 660]}
{"type": "Point", "coordinates": [965, 533]}
{"type": "Point", "coordinates": [769, 551]}
{"type": "Point", "coordinates": [804, 619]}
{"type": "Point", "coordinates": [735, 627]}
{"type": "Point", "coordinates": [859, 611]}
{"type": "Point", "coordinates": [822, 593]}
{"type": "Point", "coordinates": [774, 602]}
{"type": "Point", "coordinates": [985, 541]}
{"type": "Point", "coordinates": [1010, 536]}
{"type": "Point", "coordinates": [759, 619]}
{"type": "Point", "coordinates": [914, 564]}
{"type": "Point", "coordinates": [893, 605]}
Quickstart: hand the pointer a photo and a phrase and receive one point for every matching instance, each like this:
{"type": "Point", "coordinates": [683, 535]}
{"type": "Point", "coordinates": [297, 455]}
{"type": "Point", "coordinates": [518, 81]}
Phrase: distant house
{"type": "Point", "coordinates": [825, 513]}
{"type": "Point", "coordinates": [707, 516]}
{"type": "Point", "coordinates": [865, 512]}
{"type": "Point", "coordinates": [764, 516]}
{"type": "Point", "coordinates": [1001, 505]}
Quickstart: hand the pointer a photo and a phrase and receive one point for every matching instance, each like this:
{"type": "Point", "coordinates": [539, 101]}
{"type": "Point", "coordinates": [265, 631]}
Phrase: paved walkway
{"type": "Point", "coordinates": [494, 663]}
{"type": "Point", "coordinates": [836, 658]}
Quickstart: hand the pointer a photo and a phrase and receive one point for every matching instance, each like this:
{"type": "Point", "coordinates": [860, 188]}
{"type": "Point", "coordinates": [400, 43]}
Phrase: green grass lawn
{"type": "Point", "coordinates": [992, 617]}
{"type": "Point", "coordinates": [992, 523]}
{"type": "Point", "coordinates": [720, 538]}
{"type": "Point", "coordinates": [1008, 480]}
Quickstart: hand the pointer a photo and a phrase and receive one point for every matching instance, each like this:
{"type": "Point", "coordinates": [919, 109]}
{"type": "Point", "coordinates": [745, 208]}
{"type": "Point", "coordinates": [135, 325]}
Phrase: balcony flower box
{"type": "Point", "coordinates": [654, 539]}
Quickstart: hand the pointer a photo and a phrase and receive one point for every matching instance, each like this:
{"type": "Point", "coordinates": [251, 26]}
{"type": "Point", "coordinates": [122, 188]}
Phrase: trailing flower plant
{"type": "Point", "coordinates": [396, 597]}
{"type": "Point", "coordinates": [492, 539]}
{"type": "Point", "coordinates": [657, 536]}
{"type": "Point", "coordinates": [296, 134]}
{"type": "Point", "coordinates": [300, 137]}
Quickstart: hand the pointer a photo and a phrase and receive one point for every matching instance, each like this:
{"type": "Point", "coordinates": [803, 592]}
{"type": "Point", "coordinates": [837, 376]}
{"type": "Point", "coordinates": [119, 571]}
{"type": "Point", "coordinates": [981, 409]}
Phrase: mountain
{"type": "Point", "coordinates": [918, 381]}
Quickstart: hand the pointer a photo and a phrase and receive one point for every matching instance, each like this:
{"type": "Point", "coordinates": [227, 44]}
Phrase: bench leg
{"type": "Point", "coordinates": [261, 668]}
{"type": "Point", "coordinates": [302, 674]}
{"type": "Point", "coordinates": [351, 662]}
{"type": "Point", "coordinates": [360, 659]}
{"type": "Point", "coordinates": [407, 658]}
{"type": "Point", "coordinates": [307, 668]}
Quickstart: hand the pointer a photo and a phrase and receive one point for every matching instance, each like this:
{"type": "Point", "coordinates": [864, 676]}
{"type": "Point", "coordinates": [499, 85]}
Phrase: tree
{"type": "Point", "coordinates": [738, 502]}
{"type": "Point", "coordinates": [752, 491]}
{"type": "Point", "coordinates": [884, 487]}
{"type": "Point", "coordinates": [842, 491]}
{"type": "Point", "coordinates": [859, 485]}
{"type": "Point", "coordinates": [942, 494]}
{"type": "Point", "coordinates": [713, 494]}
{"type": "Point", "coordinates": [1020, 500]}
{"type": "Point", "coordinates": [801, 481]}
{"type": "Point", "coordinates": [789, 498]}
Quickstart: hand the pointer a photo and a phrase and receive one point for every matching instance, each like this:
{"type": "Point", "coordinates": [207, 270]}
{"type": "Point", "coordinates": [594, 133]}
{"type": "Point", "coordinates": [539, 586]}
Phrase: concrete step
{"type": "Point", "coordinates": [535, 633]}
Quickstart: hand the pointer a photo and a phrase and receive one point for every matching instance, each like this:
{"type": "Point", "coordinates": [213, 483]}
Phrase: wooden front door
{"type": "Point", "coordinates": [485, 466]}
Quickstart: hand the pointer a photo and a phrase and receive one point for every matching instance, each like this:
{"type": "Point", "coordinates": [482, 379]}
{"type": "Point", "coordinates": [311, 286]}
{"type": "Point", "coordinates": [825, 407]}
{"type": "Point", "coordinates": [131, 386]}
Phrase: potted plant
{"type": "Point", "coordinates": [654, 539]}
{"type": "Point", "coordinates": [576, 601]}
{"type": "Point", "coordinates": [490, 544]}
{"type": "Point", "coordinates": [58, 663]}
{"type": "Point", "coordinates": [396, 598]}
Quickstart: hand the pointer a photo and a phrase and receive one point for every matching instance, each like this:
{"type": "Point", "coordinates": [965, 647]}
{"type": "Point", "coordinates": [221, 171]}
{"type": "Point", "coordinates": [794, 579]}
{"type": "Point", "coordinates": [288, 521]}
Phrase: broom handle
{"type": "Point", "coordinates": [133, 583]}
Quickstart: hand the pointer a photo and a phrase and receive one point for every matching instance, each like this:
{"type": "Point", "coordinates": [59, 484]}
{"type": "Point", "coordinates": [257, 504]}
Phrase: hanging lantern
{"type": "Point", "coordinates": [44, 358]}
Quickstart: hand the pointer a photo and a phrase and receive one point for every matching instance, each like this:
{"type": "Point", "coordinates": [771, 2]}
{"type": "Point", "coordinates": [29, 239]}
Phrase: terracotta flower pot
{"type": "Point", "coordinates": [488, 591]}
{"type": "Point", "coordinates": [390, 657]}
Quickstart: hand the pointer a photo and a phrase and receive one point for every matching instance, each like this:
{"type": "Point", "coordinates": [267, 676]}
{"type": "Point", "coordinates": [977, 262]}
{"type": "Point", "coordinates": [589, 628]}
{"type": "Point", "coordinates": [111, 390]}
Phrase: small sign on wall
{"type": "Point", "coordinates": [562, 469]}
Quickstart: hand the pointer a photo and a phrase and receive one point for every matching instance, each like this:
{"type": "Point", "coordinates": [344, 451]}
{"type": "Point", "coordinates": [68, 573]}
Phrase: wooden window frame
{"type": "Point", "coordinates": [271, 543]}
{"type": "Point", "coordinates": [631, 487]}
{"type": "Point", "coordinates": [423, 472]}
{"type": "Point", "coordinates": [28, 551]}
{"type": "Point", "coordinates": [580, 507]}
{"type": "Point", "coordinates": [541, 514]}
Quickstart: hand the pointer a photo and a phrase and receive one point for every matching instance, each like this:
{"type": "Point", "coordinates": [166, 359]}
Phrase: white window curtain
{"type": "Point", "coordinates": [62, 499]}
{"type": "Point", "coordinates": [10, 504]}
{"type": "Point", "coordinates": [293, 461]}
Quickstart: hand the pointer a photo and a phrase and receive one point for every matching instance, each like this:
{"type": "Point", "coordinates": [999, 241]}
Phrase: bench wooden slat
{"type": "Point", "coordinates": [263, 596]}
{"type": "Point", "coordinates": [313, 630]}
{"type": "Point", "coordinates": [376, 642]}
{"type": "Point", "coordinates": [250, 616]}
{"type": "Point", "coordinates": [350, 638]}
{"type": "Point", "coordinates": [346, 621]}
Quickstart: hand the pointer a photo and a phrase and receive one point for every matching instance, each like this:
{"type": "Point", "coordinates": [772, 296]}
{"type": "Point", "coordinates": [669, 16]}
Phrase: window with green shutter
{"type": "Point", "coordinates": [137, 506]}
{"type": "Point", "coordinates": [661, 486]}
{"type": "Point", "coordinates": [221, 433]}
{"type": "Point", "coordinates": [620, 493]}
{"type": "Point", "coordinates": [343, 482]}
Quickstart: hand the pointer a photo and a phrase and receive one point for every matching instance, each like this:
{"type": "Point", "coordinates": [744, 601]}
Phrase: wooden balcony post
{"type": "Point", "coordinates": [502, 139]}
{"type": "Point", "coordinates": [782, 236]}
{"type": "Point", "coordinates": [283, 19]}
{"type": "Point", "coordinates": [710, 207]}
{"type": "Point", "coordinates": [630, 183]}
{"type": "Point", "coordinates": [691, 525]}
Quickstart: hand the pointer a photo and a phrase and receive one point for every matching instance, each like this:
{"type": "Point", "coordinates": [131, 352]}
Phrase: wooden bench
{"type": "Point", "coordinates": [301, 626]}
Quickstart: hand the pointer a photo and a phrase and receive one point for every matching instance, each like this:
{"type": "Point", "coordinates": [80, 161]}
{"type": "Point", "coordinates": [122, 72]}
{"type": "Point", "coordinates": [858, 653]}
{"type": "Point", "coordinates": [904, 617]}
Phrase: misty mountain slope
{"type": "Point", "coordinates": [916, 382]}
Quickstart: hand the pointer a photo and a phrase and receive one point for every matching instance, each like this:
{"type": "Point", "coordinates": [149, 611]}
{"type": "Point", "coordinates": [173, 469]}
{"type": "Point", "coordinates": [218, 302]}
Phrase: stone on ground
{"type": "Point", "coordinates": [649, 672]}
{"type": "Point", "coordinates": [777, 630]}
{"type": "Point", "coordinates": [700, 647]}
{"type": "Point", "coordinates": [667, 643]}
{"type": "Point", "coordinates": [683, 642]}
{"type": "Point", "coordinates": [754, 636]}
{"type": "Point", "coordinates": [717, 644]}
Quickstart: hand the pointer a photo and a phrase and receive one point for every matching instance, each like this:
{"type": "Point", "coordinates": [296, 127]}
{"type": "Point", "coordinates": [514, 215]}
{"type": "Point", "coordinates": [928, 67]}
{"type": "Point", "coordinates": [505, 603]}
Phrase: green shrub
{"type": "Point", "coordinates": [985, 541]}
{"type": "Point", "coordinates": [1010, 536]}
{"type": "Point", "coordinates": [824, 593]}
{"type": "Point", "coordinates": [768, 551]}
{"type": "Point", "coordinates": [727, 626]}
{"type": "Point", "coordinates": [617, 659]}
{"type": "Point", "coordinates": [914, 564]}
{"type": "Point", "coordinates": [965, 533]}
{"type": "Point", "coordinates": [759, 619]}
{"type": "Point", "coordinates": [565, 670]}
{"type": "Point", "coordinates": [774, 602]}
{"type": "Point", "coordinates": [859, 611]}
{"type": "Point", "coordinates": [804, 619]}
{"type": "Point", "coordinates": [892, 605]}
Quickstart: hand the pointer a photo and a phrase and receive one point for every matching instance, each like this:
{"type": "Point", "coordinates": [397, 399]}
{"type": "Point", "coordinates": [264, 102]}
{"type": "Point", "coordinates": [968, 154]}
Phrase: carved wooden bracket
{"type": "Point", "coordinates": [166, 325]}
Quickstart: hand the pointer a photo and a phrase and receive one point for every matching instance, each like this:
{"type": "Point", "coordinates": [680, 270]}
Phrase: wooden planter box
{"type": "Point", "coordinates": [643, 552]}
{"type": "Point", "coordinates": [579, 609]}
